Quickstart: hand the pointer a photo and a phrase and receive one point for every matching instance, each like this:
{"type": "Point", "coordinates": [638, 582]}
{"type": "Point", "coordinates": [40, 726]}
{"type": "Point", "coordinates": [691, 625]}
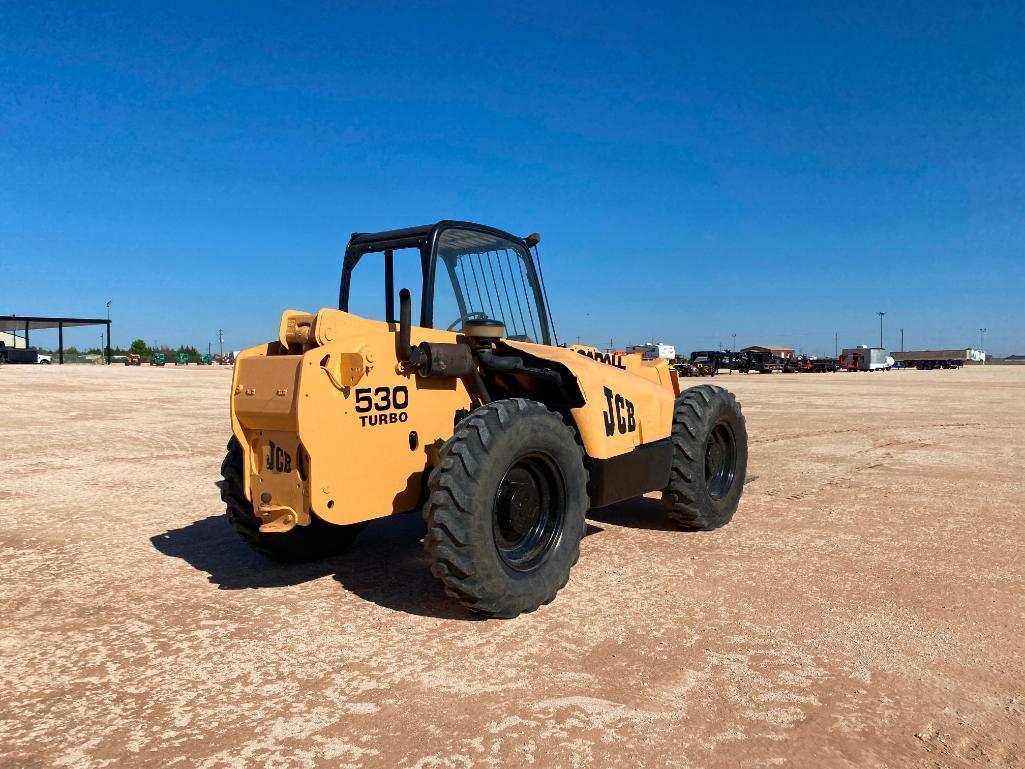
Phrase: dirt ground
{"type": "Point", "coordinates": [864, 609]}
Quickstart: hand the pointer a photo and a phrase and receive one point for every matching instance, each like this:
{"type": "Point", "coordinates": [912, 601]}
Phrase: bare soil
{"type": "Point", "coordinates": [864, 609]}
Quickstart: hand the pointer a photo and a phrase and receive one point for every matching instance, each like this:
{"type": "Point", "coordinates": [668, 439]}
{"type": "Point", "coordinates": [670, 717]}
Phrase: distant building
{"type": "Point", "coordinates": [653, 350]}
{"type": "Point", "coordinates": [12, 340]}
{"type": "Point", "coordinates": [773, 349]}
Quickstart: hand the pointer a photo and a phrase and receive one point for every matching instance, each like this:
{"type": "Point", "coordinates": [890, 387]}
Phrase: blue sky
{"type": "Point", "coordinates": [779, 171]}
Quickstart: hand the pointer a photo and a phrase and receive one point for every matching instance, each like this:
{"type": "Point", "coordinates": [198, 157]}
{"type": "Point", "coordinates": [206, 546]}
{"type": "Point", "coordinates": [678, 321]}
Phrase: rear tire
{"type": "Point", "coordinates": [505, 514]}
{"type": "Point", "coordinates": [303, 543]}
{"type": "Point", "coordinates": [709, 459]}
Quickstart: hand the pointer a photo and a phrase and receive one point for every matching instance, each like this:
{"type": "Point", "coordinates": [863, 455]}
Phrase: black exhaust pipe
{"type": "Point", "coordinates": [405, 351]}
{"type": "Point", "coordinates": [438, 359]}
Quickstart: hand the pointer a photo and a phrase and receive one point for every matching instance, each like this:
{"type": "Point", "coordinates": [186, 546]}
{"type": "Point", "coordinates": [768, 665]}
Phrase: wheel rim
{"type": "Point", "coordinates": [529, 511]}
{"type": "Point", "coordinates": [720, 460]}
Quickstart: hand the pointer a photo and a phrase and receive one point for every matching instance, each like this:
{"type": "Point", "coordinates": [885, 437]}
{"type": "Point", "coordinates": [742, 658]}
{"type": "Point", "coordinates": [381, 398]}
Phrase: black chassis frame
{"type": "Point", "coordinates": [425, 239]}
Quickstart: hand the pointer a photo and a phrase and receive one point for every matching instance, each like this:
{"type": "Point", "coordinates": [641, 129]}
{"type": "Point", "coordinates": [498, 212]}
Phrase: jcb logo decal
{"type": "Point", "coordinates": [278, 460]}
{"type": "Point", "coordinates": [601, 357]}
{"type": "Point", "coordinates": [391, 399]}
{"type": "Point", "coordinates": [620, 414]}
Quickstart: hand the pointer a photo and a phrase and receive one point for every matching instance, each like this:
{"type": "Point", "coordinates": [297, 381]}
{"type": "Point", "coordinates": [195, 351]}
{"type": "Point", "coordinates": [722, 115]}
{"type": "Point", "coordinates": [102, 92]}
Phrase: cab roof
{"type": "Point", "coordinates": [411, 236]}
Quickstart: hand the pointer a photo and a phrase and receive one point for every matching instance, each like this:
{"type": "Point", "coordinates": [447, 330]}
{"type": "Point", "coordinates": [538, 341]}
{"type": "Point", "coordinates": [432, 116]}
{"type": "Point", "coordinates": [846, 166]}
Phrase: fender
{"type": "Point", "coordinates": [627, 402]}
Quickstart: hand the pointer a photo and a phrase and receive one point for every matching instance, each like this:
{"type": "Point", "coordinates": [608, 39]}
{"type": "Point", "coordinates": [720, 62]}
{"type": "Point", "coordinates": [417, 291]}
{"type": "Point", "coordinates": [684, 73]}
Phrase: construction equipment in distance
{"type": "Point", "coordinates": [157, 359]}
{"type": "Point", "coordinates": [206, 359]}
{"type": "Point", "coordinates": [502, 439]}
{"type": "Point", "coordinates": [131, 359]}
{"type": "Point", "coordinates": [182, 359]}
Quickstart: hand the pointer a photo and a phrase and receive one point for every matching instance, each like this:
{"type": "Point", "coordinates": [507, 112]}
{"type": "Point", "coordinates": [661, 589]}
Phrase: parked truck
{"type": "Point", "coordinates": [20, 355]}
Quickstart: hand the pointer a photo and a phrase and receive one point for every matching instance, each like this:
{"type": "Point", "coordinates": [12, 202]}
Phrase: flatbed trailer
{"type": "Point", "coordinates": [763, 363]}
{"type": "Point", "coordinates": [928, 360]}
{"type": "Point", "coordinates": [824, 365]}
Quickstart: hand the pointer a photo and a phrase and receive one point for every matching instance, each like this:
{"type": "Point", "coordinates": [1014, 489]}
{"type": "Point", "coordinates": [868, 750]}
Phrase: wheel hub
{"type": "Point", "coordinates": [713, 458]}
{"type": "Point", "coordinates": [528, 512]}
{"type": "Point", "coordinates": [518, 504]}
{"type": "Point", "coordinates": [720, 460]}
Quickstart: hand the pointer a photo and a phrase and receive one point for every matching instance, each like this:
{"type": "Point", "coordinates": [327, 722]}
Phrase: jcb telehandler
{"type": "Point", "coordinates": [503, 439]}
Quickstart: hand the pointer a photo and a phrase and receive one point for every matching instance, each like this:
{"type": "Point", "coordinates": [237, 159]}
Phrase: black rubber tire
{"type": "Point", "coordinates": [303, 543]}
{"type": "Point", "coordinates": [462, 508]}
{"type": "Point", "coordinates": [692, 500]}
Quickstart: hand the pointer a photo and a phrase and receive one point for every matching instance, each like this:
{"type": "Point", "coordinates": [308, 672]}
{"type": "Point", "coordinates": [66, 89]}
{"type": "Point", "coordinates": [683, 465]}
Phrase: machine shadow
{"type": "Point", "coordinates": [387, 565]}
{"type": "Point", "coordinates": [637, 513]}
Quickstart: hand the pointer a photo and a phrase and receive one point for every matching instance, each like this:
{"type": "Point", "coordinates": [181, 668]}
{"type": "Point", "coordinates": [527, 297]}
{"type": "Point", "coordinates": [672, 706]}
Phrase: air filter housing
{"type": "Point", "coordinates": [484, 331]}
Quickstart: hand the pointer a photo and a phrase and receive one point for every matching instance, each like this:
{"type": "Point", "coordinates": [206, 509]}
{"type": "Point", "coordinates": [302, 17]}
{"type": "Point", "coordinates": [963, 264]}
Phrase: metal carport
{"type": "Point", "coordinates": [17, 324]}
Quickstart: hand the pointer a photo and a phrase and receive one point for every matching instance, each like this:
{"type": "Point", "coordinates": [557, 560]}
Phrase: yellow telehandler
{"type": "Point", "coordinates": [474, 416]}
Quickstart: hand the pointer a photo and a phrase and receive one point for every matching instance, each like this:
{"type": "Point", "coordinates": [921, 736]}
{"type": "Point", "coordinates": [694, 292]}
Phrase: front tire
{"type": "Point", "coordinates": [505, 514]}
{"type": "Point", "coordinates": [709, 459]}
{"type": "Point", "coordinates": [303, 543]}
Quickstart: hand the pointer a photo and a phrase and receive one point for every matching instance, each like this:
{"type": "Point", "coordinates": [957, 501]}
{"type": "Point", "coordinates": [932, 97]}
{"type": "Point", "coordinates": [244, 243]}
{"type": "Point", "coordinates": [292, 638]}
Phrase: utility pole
{"type": "Point", "coordinates": [836, 344]}
{"type": "Point", "coordinates": [880, 314]}
{"type": "Point", "coordinates": [220, 340]}
{"type": "Point", "coordinates": [982, 344]}
{"type": "Point", "coordinates": [107, 356]}
{"type": "Point", "coordinates": [902, 340]}
{"type": "Point", "coordinates": [734, 348]}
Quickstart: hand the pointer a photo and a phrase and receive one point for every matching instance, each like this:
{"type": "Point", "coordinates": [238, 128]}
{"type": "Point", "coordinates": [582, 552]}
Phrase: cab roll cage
{"type": "Point", "coordinates": [425, 240]}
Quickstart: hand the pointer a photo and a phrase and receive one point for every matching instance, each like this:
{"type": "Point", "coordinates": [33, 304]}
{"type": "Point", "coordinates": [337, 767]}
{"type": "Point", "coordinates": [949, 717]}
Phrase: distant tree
{"type": "Point", "coordinates": [139, 347]}
{"type": "Point", "coordinates": [71, 350]}
{"type": "Point", "coordinates": [188, 350]}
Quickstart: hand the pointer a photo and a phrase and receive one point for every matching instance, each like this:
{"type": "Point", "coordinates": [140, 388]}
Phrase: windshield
{"type": "Point", "coordinates": [480, 275]}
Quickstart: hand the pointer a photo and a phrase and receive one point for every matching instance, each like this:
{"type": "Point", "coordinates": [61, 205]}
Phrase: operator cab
{"type": "Point", "coordinates": [457, 272]}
